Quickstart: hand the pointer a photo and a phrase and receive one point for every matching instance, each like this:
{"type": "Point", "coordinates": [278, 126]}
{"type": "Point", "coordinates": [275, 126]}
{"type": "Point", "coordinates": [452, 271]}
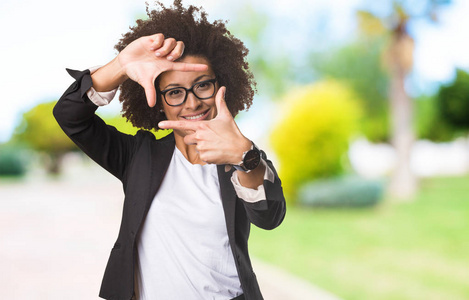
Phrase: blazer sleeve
{"type": "Point", "coordinates": [268, 213]}
{"type": "Point", "coordinates": [75, 114]}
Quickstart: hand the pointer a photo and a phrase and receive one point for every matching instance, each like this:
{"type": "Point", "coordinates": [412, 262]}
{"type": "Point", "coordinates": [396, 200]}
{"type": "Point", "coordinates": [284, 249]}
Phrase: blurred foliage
{"type": "Point", "coordinates": [313, 136]}
{"type": "Point", "coordinates": [341, 192]}
{"type": "Point", "coordinates": [39, 131]}
{"type": "Point", "coordinates": [270, 66]}
{"type": "Point", "coordinates": [367, 63]}
{"type": "Point", "coordinates": [360, 65]}
{"type": "Point", "coordinates": [13, 160]}
{"type": "Point", "coordinates": [453, 101]}
{"type": "Point", "coordinates": [429, 123]}
{"type": "Point", "coordinates": [391, 13]}
{"type": "Point", "coordinates": [369, 26]}
{"type": "Point", "coordinates": [124, 126]}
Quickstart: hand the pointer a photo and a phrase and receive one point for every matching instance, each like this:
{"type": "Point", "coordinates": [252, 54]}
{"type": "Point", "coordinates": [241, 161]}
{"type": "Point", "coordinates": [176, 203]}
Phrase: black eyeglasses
{"type": "Point", "coordinates": [178, 95]}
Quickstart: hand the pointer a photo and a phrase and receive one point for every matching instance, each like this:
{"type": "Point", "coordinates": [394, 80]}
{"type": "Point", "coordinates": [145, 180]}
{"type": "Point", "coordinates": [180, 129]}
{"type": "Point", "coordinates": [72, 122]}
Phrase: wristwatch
{"type": "Point", "coordinates": [250, 160]}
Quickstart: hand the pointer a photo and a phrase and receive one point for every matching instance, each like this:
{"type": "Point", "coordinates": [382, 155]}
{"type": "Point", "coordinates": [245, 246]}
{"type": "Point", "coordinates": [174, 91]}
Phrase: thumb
{"type": "Point", "coordinates": [222, 108]}
{"type": "Point", "coordinates": [150, 93]}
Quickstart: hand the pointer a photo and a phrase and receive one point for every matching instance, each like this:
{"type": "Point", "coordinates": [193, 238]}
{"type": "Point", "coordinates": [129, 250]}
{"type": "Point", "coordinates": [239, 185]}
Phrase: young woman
{"type": "Point", "coordinates": [191, 196]}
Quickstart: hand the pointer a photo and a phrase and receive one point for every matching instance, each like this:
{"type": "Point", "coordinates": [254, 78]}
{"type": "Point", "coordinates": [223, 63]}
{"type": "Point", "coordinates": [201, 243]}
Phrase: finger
{"type": "Point", "coordinates": [206, 156]}
{"type": "Point", "coordinates": [222, 108]}
{"type": "Point", "coordinates": [150, 93]}
{"type": "Point", "coordinates": [190, 139]}
{"type": "Point", "coordinates": [181, 125]}
{"type": "Point", "coordinates": [185, 67]}
{"type": "Point", "coordinates": [177, 51]}
{"type": "Point", "coordinates": [167, 47]}
{"type": "Point", "coordinates": [157, 41]}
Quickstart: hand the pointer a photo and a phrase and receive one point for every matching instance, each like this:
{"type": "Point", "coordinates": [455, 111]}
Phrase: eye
{"type": "Point", "coordinates": [203, 86]}
{"type": "Point", "coordinates": [174, 93]}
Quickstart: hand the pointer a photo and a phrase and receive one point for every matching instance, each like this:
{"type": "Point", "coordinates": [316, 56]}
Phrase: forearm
{"type": "Point", "coordinates": [265, 205]}
{"type": "Point", "coordinates": [108, 77]}
{"type": "Point", "coordinates": [75, 114]}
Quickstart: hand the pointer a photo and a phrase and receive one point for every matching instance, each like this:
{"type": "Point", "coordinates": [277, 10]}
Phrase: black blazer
{"type": "Point", "coordinates": [140, 162]}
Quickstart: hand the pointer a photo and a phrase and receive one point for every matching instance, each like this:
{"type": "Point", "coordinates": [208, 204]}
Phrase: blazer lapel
{"type": "Point", "coordinates": [228, 197]}
{"type": "Point", "coordinates": [161, 153]}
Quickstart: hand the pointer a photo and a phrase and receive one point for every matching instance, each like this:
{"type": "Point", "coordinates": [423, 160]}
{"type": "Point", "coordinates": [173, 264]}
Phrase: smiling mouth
{"type": "Point", "coordinates": [200, 116]}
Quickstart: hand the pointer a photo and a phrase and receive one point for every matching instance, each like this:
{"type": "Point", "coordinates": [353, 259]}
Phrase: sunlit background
{"type": "Point", "coordinates": [362, 105]}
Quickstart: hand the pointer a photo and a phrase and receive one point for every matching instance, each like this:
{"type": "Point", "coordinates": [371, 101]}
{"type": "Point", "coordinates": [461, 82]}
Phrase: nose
{"type": "Point", "coordinates": [192, 102]}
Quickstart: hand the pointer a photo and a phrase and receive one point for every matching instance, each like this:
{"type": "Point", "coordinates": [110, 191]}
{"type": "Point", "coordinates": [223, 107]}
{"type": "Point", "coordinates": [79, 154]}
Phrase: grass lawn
{"type": "Point", "coordinates": [415, 250]}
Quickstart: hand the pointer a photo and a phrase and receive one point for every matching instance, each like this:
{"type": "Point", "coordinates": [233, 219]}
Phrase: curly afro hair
{"type": "Point", "coordinates": [225, 53]}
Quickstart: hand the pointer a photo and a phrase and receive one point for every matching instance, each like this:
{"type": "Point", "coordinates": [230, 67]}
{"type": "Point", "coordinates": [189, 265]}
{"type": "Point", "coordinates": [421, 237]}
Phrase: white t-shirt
{"type": "Point", "coordinates": [183, 247]}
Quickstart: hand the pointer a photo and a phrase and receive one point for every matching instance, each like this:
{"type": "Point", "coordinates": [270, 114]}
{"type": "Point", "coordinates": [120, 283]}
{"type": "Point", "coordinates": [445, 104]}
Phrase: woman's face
{"type": "Point", "coordinates": [193, 109]}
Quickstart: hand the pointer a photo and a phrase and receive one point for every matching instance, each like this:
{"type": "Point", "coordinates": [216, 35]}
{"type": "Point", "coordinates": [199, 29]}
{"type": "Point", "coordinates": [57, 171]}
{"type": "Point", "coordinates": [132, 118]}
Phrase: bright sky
{"type": "Point", "coordinates": [42, 38]}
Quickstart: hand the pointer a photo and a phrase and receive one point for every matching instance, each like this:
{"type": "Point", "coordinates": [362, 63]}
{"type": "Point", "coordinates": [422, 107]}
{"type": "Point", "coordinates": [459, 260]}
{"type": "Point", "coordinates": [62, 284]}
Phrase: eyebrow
{"type": "Point", "coordinates": [178, 85]}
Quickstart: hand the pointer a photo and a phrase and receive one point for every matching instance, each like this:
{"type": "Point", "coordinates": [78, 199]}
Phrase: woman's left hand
{"type": "Point", "coordinates": [218, 141]}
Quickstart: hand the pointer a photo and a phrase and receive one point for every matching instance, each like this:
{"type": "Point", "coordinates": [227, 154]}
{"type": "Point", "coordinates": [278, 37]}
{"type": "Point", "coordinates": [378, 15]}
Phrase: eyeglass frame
{"type": "Point", "coordinates": [191, 90]}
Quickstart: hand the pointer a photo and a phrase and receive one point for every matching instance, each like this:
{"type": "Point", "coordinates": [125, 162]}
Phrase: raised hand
{"type": "Point", "coordinates": [143, 61]}
{"type": "Point", "coordinates": [219, 140]}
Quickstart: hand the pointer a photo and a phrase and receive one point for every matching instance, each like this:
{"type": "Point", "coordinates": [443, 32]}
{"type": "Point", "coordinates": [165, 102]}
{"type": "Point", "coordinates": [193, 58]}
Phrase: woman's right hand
{"type": "Point", "coordinates": [143, 61]}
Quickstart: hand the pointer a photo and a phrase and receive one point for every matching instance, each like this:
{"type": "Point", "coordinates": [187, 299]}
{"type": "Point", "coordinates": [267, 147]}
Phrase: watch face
{"type": "Point", "coordinates": [252, 159]}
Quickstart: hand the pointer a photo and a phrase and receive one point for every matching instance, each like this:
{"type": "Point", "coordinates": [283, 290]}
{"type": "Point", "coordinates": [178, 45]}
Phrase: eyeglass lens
{"type": "Point", "coordinates": [201, 90]}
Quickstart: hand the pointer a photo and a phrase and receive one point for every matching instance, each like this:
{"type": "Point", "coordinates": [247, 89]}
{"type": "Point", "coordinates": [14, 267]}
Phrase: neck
{"type": "Point", "coordinates": [188, 151]}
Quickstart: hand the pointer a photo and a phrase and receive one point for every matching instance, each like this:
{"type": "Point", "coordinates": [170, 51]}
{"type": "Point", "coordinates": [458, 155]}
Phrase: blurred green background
{"type": "Point", "coordinates": [373, 156]}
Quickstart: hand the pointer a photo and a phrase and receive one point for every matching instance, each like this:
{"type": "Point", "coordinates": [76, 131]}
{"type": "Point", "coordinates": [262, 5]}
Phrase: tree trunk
{"type": "Point", "coordinates": [54, 165]}
{"type": "Point", "coordinates": [403, 182]}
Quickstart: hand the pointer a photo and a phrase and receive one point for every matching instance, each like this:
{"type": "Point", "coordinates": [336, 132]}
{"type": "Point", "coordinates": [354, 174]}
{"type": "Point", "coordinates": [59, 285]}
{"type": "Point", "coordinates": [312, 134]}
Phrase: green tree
{"type": "Point", "coordinates": [39, 130]}
{"type": "Point", "coordinates": [429, 123]}
{"type": "Point", "coordinates": [13, 160]}
{"type": "Point", "coordinates": [453, 101]}
{"type": "Point", "coordinates": [313, 137]}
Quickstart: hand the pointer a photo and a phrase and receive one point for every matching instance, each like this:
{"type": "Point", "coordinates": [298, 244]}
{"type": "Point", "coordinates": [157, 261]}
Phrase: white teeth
{"type": "Point", "coordinates": [194, 117]}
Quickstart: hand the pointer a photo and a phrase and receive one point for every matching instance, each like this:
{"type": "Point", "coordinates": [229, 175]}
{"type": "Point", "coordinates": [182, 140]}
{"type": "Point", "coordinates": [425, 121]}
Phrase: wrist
{"type": "Point", "coordinates": [109, 77]}
{"type": "Point", "coordinates": [250, 158]}
{"type": "Point", "coordinates": [119, 69]}
{"type": "Point", "coordinates": [243, 145]}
